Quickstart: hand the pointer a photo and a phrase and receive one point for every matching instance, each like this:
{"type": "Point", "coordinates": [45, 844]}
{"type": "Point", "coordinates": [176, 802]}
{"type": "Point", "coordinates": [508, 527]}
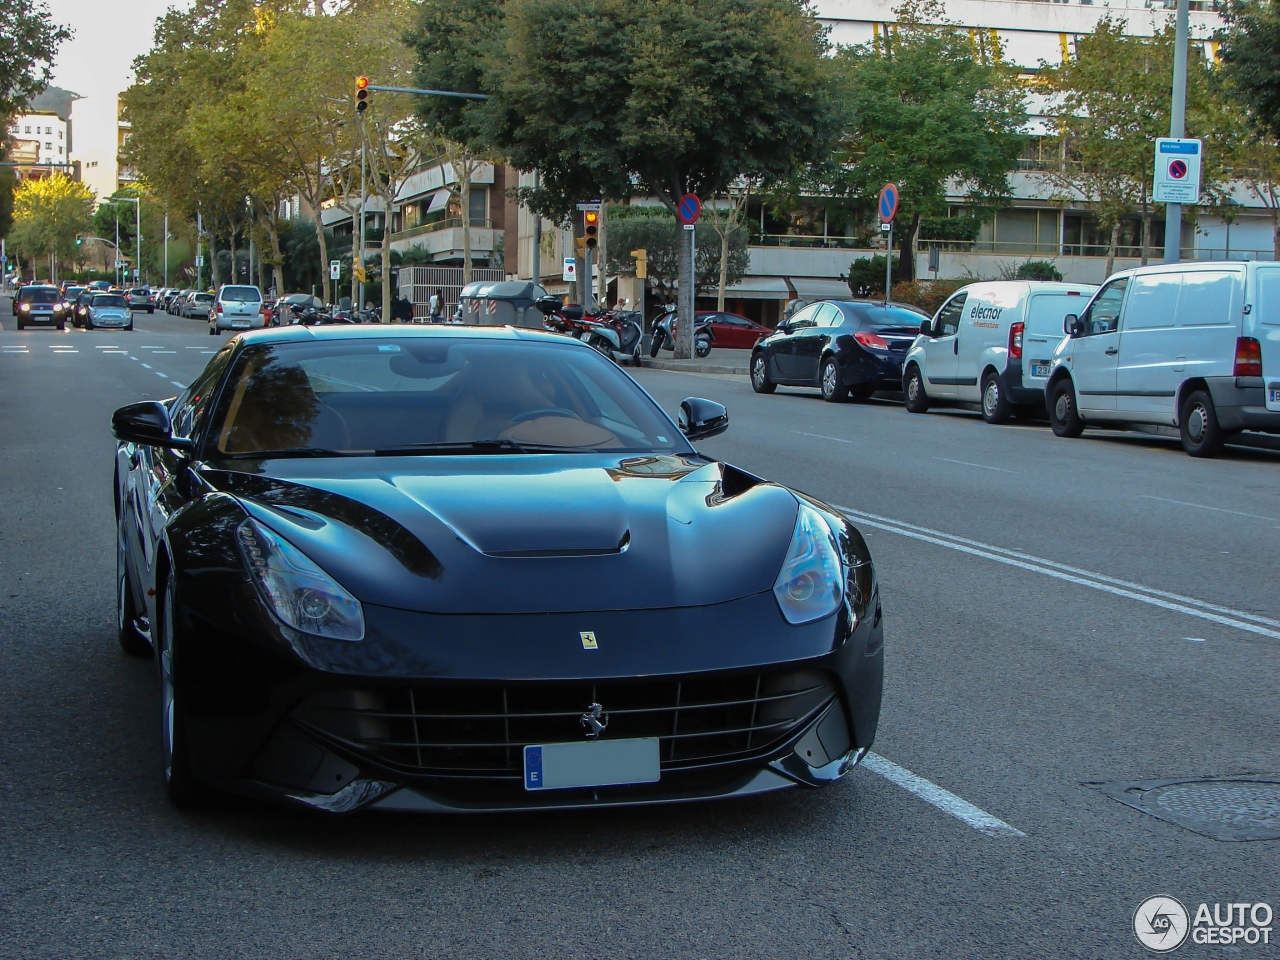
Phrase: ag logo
{"type": "Point", "coordinates": [1161, 924]}
{"type": "Point", "coordinates": [588, 640]}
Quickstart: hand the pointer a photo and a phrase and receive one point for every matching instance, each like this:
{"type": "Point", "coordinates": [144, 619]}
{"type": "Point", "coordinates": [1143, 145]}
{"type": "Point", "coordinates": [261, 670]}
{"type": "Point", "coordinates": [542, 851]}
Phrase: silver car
{"type": "Point", "coordinates": [198, 305]}
{"type": "Point", "coordinates": [109, 310]}
{"type": "Point", "coordinates": [236, 308]}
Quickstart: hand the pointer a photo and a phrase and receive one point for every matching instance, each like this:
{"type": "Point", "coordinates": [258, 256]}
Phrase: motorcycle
{"type": "Point", "coordinates": [559, 317]}
{"type": "Point", "coordinates": [617, 331]}
{"type": "Point", "coordinates": [664, 334]}
{"type": "Point", "coordinates": [311, 317]}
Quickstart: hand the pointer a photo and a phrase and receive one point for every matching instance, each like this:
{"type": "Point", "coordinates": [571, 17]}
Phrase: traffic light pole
{"type": "Point", "coordinates": [357, 291]}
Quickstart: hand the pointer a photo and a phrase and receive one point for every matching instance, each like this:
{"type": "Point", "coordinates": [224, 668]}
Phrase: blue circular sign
{"type": "Point", "coordinates": [888, 202]}
{"type": "Point", "coordinates": [689, 209]}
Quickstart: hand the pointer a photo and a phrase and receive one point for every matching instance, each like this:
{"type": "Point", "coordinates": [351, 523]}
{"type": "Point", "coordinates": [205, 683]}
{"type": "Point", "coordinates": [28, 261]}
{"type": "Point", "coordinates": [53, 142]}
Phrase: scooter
{"type": "Point", "coordinates": [617, 332]}
{"type": "Point", "coordinates": [664, 334]}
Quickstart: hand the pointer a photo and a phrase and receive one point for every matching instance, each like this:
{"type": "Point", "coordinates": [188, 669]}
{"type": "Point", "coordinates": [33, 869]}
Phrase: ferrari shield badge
{"type": "Point", "coordinates": [588, 640]}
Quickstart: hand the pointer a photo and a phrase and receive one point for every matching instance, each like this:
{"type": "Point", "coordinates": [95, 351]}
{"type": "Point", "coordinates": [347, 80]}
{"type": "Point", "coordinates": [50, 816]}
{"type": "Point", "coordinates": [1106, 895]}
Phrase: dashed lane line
{"type": "Point", "coordinates": [819, 436]}
{"type": "Point", "coordinates": [1226, 616]}
{"type": "Point", "coordinates": [180, 386]}
{"type": "Point", "coordinates": [147, 365]}
{"type": "Point", "coordinates": [1201, 506]}
{"type": "Point", "coordinates": [980, 466]}
{"type": "Point", "coordinates": [944, 800]}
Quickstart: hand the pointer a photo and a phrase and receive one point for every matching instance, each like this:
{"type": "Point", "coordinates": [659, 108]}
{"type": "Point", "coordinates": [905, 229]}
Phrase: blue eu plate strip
{"type": "Point", "coordinates": [533, 768]}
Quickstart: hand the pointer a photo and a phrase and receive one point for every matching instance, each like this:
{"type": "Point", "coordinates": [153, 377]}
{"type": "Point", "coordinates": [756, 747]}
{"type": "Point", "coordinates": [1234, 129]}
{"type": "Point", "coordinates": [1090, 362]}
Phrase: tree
{"type": "Point", "coordinates": [656, 230]}
{"type": "Point", "coordinates": [1110, 103]}
{"type": "Point", "coordinates": [726, 216]}
{"type": "Point", "coordinates": [31, 41]}
{"type": "Point", "coordinates": [614, 97]}
{"type": "Point", "coordinates": [49, 213]}
{"type": "Point", "coordinates": [927, 105]}
{"type": "Point", "coordinates": [1250, 53]}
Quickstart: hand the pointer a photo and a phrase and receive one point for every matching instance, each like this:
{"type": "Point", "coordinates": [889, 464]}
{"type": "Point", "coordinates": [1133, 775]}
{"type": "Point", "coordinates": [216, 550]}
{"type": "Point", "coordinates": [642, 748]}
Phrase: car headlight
{"type": "Point", "coordinates": [810, 584]}
{"type": "Point", "coordinates": [24, 306]}
{"type": "Point", "coordinates": [299, 592]}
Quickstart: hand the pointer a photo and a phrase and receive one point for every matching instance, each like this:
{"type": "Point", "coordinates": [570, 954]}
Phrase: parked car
{"type": "Point", "coordinates": [198, 305]}
{"type": "Point", "coordinates": [732, 329]}
{"type": "Point", "coordinates": [1194, 346]}
{"type": "Point", "coordinates": [237, 308]}
{"type": "Point", "coordinates": [178, 301]}
{"type": "Point", "coordinates": [992, 344]}
{"type": "Point", "coordinates": [42, 305]}
{"type": "Point", "coordinates": [109, 310]}
{"type": "Point", "coordinates": [842, 347]}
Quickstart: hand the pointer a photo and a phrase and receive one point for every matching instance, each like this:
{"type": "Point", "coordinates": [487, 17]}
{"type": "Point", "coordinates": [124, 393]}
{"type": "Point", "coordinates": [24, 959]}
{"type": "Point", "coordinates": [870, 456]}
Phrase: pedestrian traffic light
{"type": "Point", "coordinates": [362, 94]}
{"type": "Point", "coordinates": [641, 258]}
{"type": "Point", "coordinates": [591, 222]}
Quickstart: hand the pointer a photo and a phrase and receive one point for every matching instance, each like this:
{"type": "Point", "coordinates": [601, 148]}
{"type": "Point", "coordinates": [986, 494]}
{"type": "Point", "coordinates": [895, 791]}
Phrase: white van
{"type": "Point", "coordinates": [991, 343]}
{"type": "Point", "coordinates": [1194, 346]}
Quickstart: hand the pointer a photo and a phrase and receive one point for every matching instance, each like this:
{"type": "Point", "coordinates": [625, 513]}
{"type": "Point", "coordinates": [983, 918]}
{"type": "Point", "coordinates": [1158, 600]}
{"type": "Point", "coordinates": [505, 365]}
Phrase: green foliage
{"type": "Point", "coordinates": [1250, 53]}
{"type": "Point", "coordinates": [7, 184]}
{"type": "Point", "coordinates": [866, 275]}
{"type": "Point", "coordinates": [31, 41]}
{"type": "Point", "coordinates": [964, 229]}
{"type": "Point", "coordinates": [926, 294]}
{"type": "Point", "coordinates": [655, 230]}
{"type": "Point", "coordinates": [1037, 270]}
{"type": "Point", "coordinates": [924, 106]}
{"type": "Point", "coordinates": [48, 214]}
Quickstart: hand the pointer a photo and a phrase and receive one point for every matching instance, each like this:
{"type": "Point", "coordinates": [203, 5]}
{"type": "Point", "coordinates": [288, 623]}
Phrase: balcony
{"type": "Point", "coordinates": [443, 239]}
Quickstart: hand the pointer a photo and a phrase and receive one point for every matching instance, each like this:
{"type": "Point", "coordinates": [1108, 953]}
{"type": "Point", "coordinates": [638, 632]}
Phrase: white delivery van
{"type": "Point", "coordinates": [992, 344]}
{"type": "Point", "coordinates": [1193, 345]}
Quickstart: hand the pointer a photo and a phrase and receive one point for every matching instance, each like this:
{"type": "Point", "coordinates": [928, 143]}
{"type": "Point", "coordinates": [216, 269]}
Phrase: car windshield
{"type": "Point", "coordinates": [891, 319]}
{"type": "Point", "coordinates": [419, 395]}
{"type": "Point", "coordinates": [39, 295]}
{"type": "Point", "coordinates": [139, 293]}
{"type": "Point", "coordinates": [203, 298]}
{"type": "Point", "coordinates": [73, 292]}
{"type": "Point", "coordinates": [241, 294]}
{"type": "Point", "coordinates": [108, 300]}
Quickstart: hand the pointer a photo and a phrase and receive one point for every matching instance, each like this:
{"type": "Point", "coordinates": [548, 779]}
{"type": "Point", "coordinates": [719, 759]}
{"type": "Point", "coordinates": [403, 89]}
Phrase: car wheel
{"type": "Point", "coordinates": [1063, 417]}
{"type": "Point", "coordinates": [131, 640]}
{"type": "Point", "coordinates": [995, 408]}
{"type": "Point", "coordinates": [913, 391]}
{"type": "Point", "coordinates": [88, 324]}
{"type": "Point", "coordinates": [655, 342]}
{"type": "Point", "coordinates": [62, 324]}
{"type": "Point", "coordinates": [862, 392]}
{"type": "Point", "coordinates": [833, 388]}
{"type": "Point", "coordinates": [21, 325]}
{"type": "Point", "coordinates": [760, 381]}
{"type": "Point", "coordinates": [130, 326]}
{"type": "Point", "coordinates": [1202, 435]}
{"type": "Point", "coordinates": [175, 750]}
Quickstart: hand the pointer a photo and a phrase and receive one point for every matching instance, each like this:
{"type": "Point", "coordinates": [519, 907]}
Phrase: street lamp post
{"type": "Point", "coordinates": [137, 236]}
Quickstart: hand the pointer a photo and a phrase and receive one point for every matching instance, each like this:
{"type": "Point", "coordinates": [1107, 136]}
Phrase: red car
{"type": "Point", "coordinates": [732, 330]}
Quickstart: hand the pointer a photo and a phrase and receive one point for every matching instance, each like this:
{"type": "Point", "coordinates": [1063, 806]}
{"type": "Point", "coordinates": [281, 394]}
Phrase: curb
{"type": "Point", "coordinates": [686, 367]}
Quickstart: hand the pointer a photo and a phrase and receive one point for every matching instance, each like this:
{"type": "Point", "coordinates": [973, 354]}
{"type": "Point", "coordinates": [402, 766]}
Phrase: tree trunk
{"type": "Point", "coordinates": [464, 176]}
{"type": "Point", "coordinates": [724, 267]}
{"type": "Point", "coordinates": [386, 272]}
{"type": "Point", "coordinates": [235, 272]}
{"type": "Point", "coordinates": [906, 252]}
{"type": "Point", "coordinates": [1111, 250]}
{"type": "Point", "coordinates": [1275, 232]}
{"type": "Point", "coordinates": [324, 254]}
{"type": "Point", "coordinates": [1146, 233]}
{"type": "Point", "coordinates": [685, 295]}
{"type": "Point", "coordinates": [213, 259]}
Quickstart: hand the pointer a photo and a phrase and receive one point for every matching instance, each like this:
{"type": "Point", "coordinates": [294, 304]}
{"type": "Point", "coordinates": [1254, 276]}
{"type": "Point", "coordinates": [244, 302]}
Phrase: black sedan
{"type": "Point", "coordinates": [841, 347]}
{"type": "Point", "coordinates": [473, 569]}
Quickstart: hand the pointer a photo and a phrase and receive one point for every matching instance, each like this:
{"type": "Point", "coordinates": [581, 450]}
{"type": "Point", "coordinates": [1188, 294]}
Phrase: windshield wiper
{"type": "Point", "coordinates": [296, 453]}
{"type": "Point", "coordinates": [446, 447]}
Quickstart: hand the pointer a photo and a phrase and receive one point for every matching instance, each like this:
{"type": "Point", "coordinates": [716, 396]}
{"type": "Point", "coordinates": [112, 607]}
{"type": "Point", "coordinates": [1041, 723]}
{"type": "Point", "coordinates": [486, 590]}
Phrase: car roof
{"type": "Point", "coordinates": [386, 331]}
{"type": "Point", "coordinates": [851, 302]}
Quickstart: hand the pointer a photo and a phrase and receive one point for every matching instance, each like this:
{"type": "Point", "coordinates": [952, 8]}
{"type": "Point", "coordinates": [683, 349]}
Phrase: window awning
{"type": "Point", "coordinates": [815, 289]}
{"type": "Point", "coordinates": [758, 288]}
{"type": "Point", "coordinates": [439, 200]}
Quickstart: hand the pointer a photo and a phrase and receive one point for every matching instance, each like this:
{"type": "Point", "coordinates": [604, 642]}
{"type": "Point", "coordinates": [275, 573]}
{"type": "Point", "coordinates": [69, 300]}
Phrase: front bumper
{"type": "Point", "coordinates": [110, 321]}
{"type": "Point", "coordinates": [49, 318]}
{"type": "Point", "coordinates": [255, 701]}
{"type": "Point", "coordinates": [1241, 404]}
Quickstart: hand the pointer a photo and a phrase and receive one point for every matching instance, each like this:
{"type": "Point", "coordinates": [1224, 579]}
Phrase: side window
{"type": "Point", "coordinates": [1153, 302]}
{"type": "Point", "coordinates": [805, 317]}
{"type": "Point", "coordinates": [948, 322]}
{"type": "Point", "coordinates": [191, 409]}
{"type": "Point", "coordinates": [1103, 315]}
{"type": "Point", "coordinates": [1207, 298]}
{"type": "Point", "coordinates": [1268, 305]}
{"type": "Point", "coordinates": [830, 316]}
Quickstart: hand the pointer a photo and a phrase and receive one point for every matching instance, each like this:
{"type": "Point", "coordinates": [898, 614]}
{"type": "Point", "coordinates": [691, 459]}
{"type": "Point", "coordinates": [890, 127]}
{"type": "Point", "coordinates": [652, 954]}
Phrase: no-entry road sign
{"type": "Point", "coordinates": [689, 209]}
{"type": "Point", "coordinates": [888, 202]}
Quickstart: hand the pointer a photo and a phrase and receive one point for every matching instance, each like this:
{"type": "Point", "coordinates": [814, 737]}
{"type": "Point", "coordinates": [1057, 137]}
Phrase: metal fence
{"type": "Point", "coordinates": [417, 284]}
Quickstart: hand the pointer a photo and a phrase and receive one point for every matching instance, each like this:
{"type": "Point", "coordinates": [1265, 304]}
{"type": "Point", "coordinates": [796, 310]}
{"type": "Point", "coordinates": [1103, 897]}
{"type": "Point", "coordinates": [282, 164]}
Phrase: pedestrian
{"type": "Point", "coordinates": [437, 306]}
{"type": "Point", "coordinates": [402, 310]}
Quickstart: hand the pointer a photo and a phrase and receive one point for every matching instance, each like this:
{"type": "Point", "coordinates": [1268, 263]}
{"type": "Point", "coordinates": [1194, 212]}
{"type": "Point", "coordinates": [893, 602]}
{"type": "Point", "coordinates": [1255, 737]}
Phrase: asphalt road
{"type": "Point", "coordinates": [1059, 614]}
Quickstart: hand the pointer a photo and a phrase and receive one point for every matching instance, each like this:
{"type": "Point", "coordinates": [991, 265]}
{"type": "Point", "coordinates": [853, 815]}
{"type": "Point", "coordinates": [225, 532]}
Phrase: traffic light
{"type": "Point", "coordinates": [641, 258]}
{"type": "Point", "coordinates": [79, 241]}
{"type": "Point", "coordinates": [591, 223]}
{"type": "Point", "coordinates": [360, 274]}
{"type": "Point", "coordinates": [362, 94]}
{"type": "Point", "coordinates": [580, 246]}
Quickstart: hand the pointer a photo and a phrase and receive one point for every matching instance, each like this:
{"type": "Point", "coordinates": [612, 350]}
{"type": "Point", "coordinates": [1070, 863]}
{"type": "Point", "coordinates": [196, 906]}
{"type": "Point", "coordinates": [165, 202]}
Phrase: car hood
{"type": "Point", "coordinates": [526, 534]}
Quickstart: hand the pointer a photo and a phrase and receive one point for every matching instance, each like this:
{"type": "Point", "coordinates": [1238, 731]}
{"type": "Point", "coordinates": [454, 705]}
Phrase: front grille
{"type": "Point", "coordinates": [479, 731]}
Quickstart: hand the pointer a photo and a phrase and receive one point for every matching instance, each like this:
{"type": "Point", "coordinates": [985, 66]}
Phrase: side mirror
{"type": "Point", "coordinates": [784, 326]}
{"type": "Point", "coordinates": [702, 418]}
{"type": "Point", "coordinates": [1072, 326]}
{"type": "Point", "coordinates": [147, 423]}
{"type": "Point", "coordinates": [926, 328]}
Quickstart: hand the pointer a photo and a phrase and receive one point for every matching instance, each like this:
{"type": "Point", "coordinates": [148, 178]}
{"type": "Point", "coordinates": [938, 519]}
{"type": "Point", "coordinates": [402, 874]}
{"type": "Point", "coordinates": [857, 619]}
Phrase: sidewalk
{"type": "Point", "coordinates": [718, 361]}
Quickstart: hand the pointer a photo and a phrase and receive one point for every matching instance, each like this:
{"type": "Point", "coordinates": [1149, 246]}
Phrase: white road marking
{"type": "Point", "coordinates": [121, 352]}
{"type": "Point", "coordinates": [60, 352]}
{"type": "Point", "coordinates": [180, 386]}
{"type": "Point", "coordinates": [154, 352]}
{"type": "Point", "coordinates": [1226, 616]}
{"type": "Point", "coordinates": [944, 800]}
{"type": "Point", "coordinates": [822, 437]}
{"type": "Point", "coordinates": [105, 346]}
{"type": "Point", "coordinates": [147, 365]}
{"type": "Point", "coordinates": [193, 348]}
{"type": "Point", "coordinates": [980, 466]}
{"type": "Point", "coordinates": [1194, 639]}
{"type": "Point", "coordinates": [162, 376]}
{"type": "Point", "coordinates": [151, 346]}
{"type": "Point", "coordinates": [1201, 506]}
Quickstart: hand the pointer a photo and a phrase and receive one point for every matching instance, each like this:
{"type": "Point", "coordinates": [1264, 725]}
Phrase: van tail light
{"type": "Point", "coordinates": [871, 340]}
{"type": "Point", "coordinates": [1015, 340]}
{"type": "Point", "coordinates": [1248, 357]}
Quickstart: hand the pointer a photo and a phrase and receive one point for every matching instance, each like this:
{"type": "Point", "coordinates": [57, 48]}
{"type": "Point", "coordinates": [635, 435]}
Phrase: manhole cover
{"type": "Point", "coordinates": [1219, 809]}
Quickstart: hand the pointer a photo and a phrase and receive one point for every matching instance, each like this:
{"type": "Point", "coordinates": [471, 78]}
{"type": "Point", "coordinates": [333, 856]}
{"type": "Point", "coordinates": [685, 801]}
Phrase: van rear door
{"type": "Point", "coordinates": [1267, 330]}
{"type": "Point", "coordinates": [1043, 333]}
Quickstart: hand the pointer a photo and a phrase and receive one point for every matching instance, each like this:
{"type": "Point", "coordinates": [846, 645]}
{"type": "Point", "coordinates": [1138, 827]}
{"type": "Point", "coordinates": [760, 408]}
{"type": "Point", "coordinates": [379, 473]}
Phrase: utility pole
{"type": "Point", "coordinates": [199, 251]}
{"type": "Point", "coordinates": [166, 249]}
{"type": "Point", "coordinates": [1177, 129]}
{"type": "Point", "coordinates": [537, 235]}
{"type": "Point", "coordinates": [117, 269]}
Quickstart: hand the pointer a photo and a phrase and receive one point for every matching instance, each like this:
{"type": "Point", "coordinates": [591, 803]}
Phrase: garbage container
{"type": "Point", "coordinates": [501, 303]}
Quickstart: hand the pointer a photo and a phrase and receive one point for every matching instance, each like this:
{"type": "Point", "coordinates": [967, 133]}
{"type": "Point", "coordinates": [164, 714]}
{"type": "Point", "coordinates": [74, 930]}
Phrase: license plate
{"type": "Point", "coordinates": [240, 325]}
{"type": "Point", "coordinates": [591, 763]}
{"type": "Point", "coordinates": [1273, 393]}
{"type": "Point", "coordinates": [1040, 369]}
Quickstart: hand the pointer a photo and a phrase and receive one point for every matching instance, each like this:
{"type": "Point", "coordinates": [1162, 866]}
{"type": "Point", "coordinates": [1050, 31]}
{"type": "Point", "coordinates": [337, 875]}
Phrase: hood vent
{"type": "Point", "coordinates": [551, 554]}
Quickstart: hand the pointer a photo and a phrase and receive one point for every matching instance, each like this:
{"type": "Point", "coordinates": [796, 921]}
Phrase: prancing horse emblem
{"type": "Point", "coordinates": [595, 720]}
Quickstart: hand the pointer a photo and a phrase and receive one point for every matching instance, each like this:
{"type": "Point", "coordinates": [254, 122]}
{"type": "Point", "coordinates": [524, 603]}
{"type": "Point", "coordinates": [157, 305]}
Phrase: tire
{"type": "Point", "coordinates": [130, 326]}
{"type": "Point", "coordinates": [62, 324]}
{"type": "Point", "coordinates": [1202, 435]}
{"type": "Point", "coordinates": [21, 325]}
{"type": "Point", "coordinates": [995, 407]}
{"type": "Point", "coordinates": [602, 345]}
{"type": "Point", "coordinates": [175, 750]}
{"type": "Point", "coordinates": [701, 347]}
{"type": "Point", "coordinates": [833, 388]}
{"type": "Point", "coordinates": [760, 381]}
{"type": "Point", "coordinates": [88, 324]}
{"type": "Point", "coordinates": [132, 642]}
{"type": "Point", "coordinates": [655, 342]}
{"type": "Point", "coordinates": [917, 401]}
{"type": "Point", "coordinates": [863, 391]}
{"type": "Point", "coordinates": [1063, 416]}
